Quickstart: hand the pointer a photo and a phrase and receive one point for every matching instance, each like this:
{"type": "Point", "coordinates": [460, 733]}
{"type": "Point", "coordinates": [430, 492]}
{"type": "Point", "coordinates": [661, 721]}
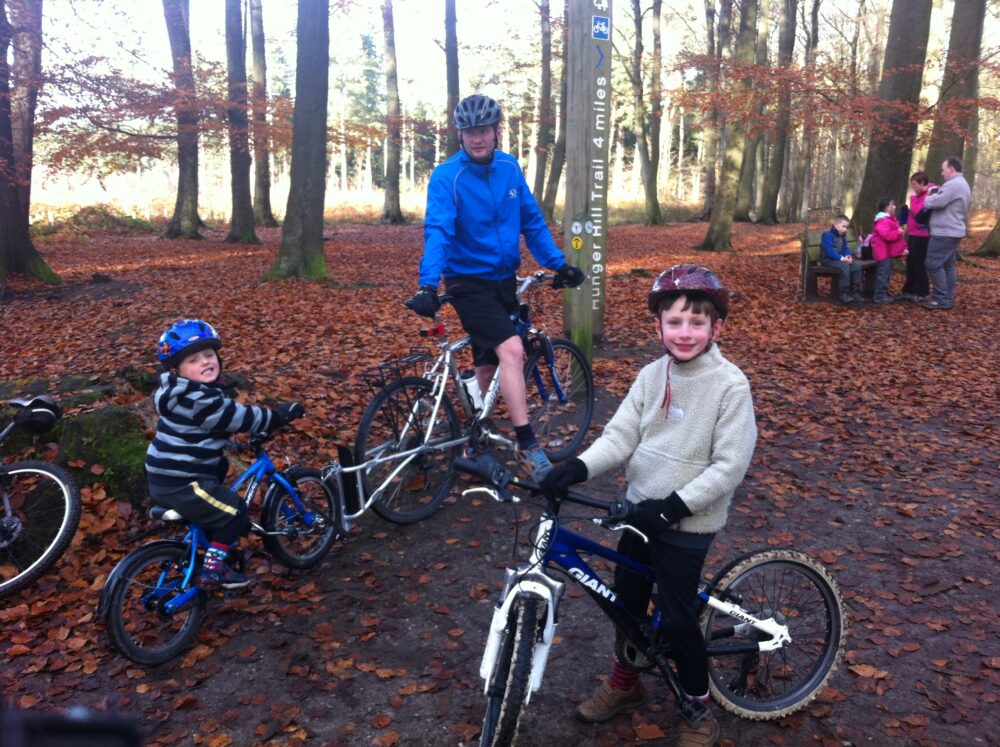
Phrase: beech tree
{"type": "Point", "coordinates": [391, 211]}
{"type": "Point", "coordinates": [717, 43]}
{"type": "Point", "coordinates": [721, 223]}
{"type": "Point", "coordinates": [451, 71]}
{"type": "Point", "coordinates": [301, 250]}
{"type": "Point", "coordinates": [26, 74]}
{"type": "Point", "coordinates": [543, 132]}
{"type": "Point", "coordinates": [185, 221]}
{"type": "Point", "coordinates": [779, 140]}
{"type": "Point", "coordinates": [887, 170]}
{"type": "Point", "coordinates": [262, 213]}
{"type": "Point", "coordinates": [755, 140]}
{"type": "Point", "coordinates": [241, 225]}
{"type": "Point", "coordinates": [17, 253]}
{"type": "Point", "coordinates": [648, 151]}
{"type": "Point", "coordinates": [559, 151]}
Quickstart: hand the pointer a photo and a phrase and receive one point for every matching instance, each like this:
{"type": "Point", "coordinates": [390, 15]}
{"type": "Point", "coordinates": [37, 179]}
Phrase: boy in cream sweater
{"type": "Point", "coordinates": [686, 434]}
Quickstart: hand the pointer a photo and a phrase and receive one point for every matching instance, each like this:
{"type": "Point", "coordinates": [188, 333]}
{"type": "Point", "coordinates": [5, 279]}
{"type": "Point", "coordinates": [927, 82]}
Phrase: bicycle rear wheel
{"type": "Point", "coordinates": [796, 591]}
{"type": "Point", "coordinates": [301, 539]}
{"type": "Point", "coordinates": [139, 618]}
{"type": "Point", "coordinates": [398, 419]}
{"type": "Point", "coordinates": [560, 397]}
{"type": "Point", "coordinates": [508, 686]}
{"type": "Point", "coordinates": [44, 512]}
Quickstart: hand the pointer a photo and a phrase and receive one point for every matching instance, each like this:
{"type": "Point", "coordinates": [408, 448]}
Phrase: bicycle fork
{"type": "Point", "coordinates": [521, 581]}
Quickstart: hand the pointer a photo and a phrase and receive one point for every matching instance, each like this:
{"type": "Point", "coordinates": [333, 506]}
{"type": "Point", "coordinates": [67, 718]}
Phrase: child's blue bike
{"type": "Point", "coordinates": [151, 604]}
{"type": "Point", "coordinates": [773, 620]}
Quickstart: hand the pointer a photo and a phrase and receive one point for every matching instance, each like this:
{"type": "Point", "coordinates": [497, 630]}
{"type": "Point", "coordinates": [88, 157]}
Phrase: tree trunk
{"type": "Point", "coordinates": [26, 73]}
{"type": "Point", "coordinates": [960, 86]}
{"type": "Point", "coordinates": [800, 203]}
{"type": "Point", "coordinates": [721, 223]}
{"type": "Point", "coordinates": [262, 214]}
{"type": "Point", "coordinates": [451, 69]}
{"type": "Point", "coordinates": [301, 250]}
{"type": "Point", "coordinates": [241, 227]}
{"type": "Point", "coordinates": [888, 166]}
{"type": "Point", "coordinates": [185, 221]}
{"type": "Point", "coordinates": [391, 212]}
{"type": "Point", "coordinates": [779, 144]}
{"type": "Point", "coordinates": [559, 151]}
{"type": "Point", "coordinates": [710, 129]}
{"type": "Point", "coordinates": [990, 247]}
{"type": "Point", "coordinates": [647, 151]}
{"type": "Point", "coordinates": [744, 197]}
{"type": "Point", "coordinates": [17, 254]}
{"type": "Point", "coordinates": [543, 133]}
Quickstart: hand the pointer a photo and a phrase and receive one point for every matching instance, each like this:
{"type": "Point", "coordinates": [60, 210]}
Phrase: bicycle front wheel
{"type": "Point", "coordinates": [560, 397]}
{"type": "Point", "coordinates": [508, 686]}
{"type": "Point", "coordinates": [36, 529]}
{"type": "Point", "coordinates": [796, 591]}
{"type": "Point", "coordinates": [401, 418]}
{"type": "Point", "coordinates": [301, 538]}
{"type": "Point", "coordinates": [142, 620]}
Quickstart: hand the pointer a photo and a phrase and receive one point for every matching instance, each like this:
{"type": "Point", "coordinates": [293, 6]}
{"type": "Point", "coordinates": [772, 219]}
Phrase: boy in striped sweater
{"type": "Point", "coordinates": [185, 466]}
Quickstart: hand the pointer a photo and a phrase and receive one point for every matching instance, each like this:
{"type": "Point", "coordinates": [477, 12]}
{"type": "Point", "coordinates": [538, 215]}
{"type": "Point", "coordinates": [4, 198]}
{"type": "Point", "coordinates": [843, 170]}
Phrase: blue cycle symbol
{"type": "Point", "coordinates": [600, 27]}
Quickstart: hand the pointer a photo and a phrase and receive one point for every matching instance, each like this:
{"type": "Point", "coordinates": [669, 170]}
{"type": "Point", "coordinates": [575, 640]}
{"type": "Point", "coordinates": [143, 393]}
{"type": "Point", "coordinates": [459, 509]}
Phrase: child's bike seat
{"type": "Point", "coordinates": [164, 514]}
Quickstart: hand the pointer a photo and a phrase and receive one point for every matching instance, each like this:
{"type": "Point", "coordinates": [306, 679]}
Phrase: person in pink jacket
{"type": "Point", "coordinates": [917, 286]}
{"type": "Point", "coordinates": [887, 243]}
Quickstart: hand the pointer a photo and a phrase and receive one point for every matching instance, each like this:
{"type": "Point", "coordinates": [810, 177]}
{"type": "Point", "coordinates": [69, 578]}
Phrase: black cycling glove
{"type": "Point", "coordinates": [652, 518]}
{"type": "Point", "coordinates": [568, 276]}
{"type": "Point", "coordinates": [288, 412]}
{"type": "Point", "coordinates": [555, 484]}
{"type": "Point", "coordinates": [425, 301]}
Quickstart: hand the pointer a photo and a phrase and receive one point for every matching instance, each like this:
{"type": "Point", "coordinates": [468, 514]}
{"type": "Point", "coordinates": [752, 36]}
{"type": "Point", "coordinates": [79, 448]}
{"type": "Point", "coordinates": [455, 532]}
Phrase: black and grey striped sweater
{"type": "Point", "coordinates": [194, 426]}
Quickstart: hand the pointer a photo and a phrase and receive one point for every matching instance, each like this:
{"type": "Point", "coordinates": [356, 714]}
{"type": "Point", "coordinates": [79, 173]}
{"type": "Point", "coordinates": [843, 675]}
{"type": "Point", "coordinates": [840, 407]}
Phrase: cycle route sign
{"type": "Point", "coordinates": [588, 134]}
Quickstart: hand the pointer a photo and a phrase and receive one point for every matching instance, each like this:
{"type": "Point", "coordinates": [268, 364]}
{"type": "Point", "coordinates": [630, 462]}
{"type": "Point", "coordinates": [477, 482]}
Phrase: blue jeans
{"type": "Point", "coordinates": [883, 271]}
{"type": "Point", "coordinates": [850, 275]}
{"type": "Point", "coordinates": [942, 254]}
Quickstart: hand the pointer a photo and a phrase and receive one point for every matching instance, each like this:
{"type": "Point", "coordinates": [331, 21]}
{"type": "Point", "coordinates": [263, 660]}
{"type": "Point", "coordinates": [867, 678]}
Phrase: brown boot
{"type": "Point", "coordinates": [608, 701]}
{"type": "Point", "coordinates": [703, 734]}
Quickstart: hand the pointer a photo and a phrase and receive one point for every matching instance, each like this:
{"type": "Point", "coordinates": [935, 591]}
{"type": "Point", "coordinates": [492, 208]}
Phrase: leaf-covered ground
{"type": "Point", "coordinates": [878, 455]}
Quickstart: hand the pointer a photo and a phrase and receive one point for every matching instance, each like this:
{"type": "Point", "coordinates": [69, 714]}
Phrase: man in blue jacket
{"type": "Point", "coordinates": [478, 207]}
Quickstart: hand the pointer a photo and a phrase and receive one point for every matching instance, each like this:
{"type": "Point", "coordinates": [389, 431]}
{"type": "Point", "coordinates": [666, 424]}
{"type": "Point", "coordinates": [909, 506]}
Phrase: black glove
{"type": "Point", "coordinates": [559, 478]}
{"type": "Point", "coordinates": [653, 518]}
{"type": "Point", "coordinates": [568, 276]}
{"type": "Point", "coordinates": [425, 301]}
{"type": "Point", "coordinates": [288, 412]}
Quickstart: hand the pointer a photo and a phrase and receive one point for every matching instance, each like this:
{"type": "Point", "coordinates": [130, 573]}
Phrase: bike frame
{"type": "Point", "coordinates": [558, 546]}
{"type": "Point", "coordinates": [443, 370]}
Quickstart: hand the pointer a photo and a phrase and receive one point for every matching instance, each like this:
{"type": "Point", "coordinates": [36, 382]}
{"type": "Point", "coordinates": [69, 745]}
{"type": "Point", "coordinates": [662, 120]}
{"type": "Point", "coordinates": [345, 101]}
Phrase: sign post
{"type": "Point", "coordinates": [588, 134]}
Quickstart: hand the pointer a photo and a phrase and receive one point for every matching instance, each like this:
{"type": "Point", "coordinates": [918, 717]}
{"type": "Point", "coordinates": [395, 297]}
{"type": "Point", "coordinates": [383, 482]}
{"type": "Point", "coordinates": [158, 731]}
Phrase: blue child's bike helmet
{"type": "Point", "coordinates": [183, 338]}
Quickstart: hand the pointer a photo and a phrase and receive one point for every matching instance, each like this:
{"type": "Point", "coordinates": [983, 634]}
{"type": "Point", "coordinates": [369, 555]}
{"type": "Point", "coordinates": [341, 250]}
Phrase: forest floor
{"type": "Point", "coordinates": [879, 434]}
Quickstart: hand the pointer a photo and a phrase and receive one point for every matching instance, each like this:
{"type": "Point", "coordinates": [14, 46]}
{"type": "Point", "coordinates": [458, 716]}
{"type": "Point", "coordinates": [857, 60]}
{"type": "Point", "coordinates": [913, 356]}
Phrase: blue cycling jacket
{"type": "Point", "coordinates": [475, 216]}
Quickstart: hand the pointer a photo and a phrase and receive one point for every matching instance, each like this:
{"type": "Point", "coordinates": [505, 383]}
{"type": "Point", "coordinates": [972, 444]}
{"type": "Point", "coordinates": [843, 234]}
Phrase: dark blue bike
{"type": "Point", "coordinates": [773, 620]}
{"type": "Point", "coordinates": [151, 605]}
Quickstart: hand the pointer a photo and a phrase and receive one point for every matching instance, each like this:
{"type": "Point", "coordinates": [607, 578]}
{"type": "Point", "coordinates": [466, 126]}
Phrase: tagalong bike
{"type": "Point", "coordinates": [151, 604]}
{"type": "Point", "coordinates": [773, 620]}
{"type": "Point", "coordinates": [39, 503]}
{"type": "Point", "coordinates": [411, 432]}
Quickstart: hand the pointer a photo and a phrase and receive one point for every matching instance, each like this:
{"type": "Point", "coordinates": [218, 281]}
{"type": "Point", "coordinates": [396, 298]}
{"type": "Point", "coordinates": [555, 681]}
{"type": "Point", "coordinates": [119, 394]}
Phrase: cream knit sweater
{"type": "Point", "coordinates": [702, 451]}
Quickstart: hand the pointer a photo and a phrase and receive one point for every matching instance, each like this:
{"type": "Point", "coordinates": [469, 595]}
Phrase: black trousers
{"type": "Point", "coordinates": [917, 282]}
{"type": "Point", "coordinates": [678, 574]}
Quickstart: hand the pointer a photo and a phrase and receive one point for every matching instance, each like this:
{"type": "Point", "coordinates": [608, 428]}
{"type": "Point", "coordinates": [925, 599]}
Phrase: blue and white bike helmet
{"type": "Point", "coordinates": [476, 111]}
{"type": "Point", "coordinates": [183, 338]}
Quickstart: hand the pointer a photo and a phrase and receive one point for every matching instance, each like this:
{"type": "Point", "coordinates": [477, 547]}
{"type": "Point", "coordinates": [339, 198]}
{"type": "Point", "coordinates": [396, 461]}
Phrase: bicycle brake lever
{"type": "Point", "coordinates": [619, 527]}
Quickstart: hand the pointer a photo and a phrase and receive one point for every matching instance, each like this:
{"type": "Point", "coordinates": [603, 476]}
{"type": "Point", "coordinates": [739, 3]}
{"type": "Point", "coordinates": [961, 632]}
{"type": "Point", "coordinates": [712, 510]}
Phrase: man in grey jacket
{"type": "Point", "coordinates": [950, 206]}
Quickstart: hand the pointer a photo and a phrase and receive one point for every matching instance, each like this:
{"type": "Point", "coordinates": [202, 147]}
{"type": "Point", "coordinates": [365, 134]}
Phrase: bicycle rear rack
{"type": "Point", "coordinates": [380, 376]}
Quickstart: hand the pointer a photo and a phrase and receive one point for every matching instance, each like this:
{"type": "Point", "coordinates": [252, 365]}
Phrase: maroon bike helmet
{"type": "Point", "coordinates": [690, 280]}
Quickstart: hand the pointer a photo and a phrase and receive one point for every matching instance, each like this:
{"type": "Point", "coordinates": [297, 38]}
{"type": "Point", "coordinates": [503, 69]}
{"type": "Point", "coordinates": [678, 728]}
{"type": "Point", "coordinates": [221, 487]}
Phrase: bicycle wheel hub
{"type": "Point", "coordinates": [10, 529]}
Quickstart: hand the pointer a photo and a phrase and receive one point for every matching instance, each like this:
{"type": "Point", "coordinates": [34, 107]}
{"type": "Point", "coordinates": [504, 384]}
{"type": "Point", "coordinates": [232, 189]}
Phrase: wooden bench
{"type": "Point", "coordinates": [810, 269]}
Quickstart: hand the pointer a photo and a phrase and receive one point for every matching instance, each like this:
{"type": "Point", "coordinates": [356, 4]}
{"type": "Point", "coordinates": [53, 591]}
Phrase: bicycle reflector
{"type": "Point", "coordinates": [438, 330]}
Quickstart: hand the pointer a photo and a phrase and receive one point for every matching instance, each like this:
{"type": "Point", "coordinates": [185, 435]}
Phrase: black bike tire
{"type": "Point", "coordinates": [831, 650]}
{"type": "Point", "coordinates": [67, 527]}
{"type": "Point", "coordinates": [272, 502]}
{"type": "Point", "coordinates": [509, 682]}
{"type": "Point", "coordinates": [116, 626]}
{"type": "Point", "coordinates": [568, 448]}
{"type": "Point", "coordinates": [380, 505]}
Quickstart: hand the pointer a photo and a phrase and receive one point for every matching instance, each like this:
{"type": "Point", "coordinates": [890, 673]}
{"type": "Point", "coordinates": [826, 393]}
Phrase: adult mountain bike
{"type": "Point", "coordinates": [773, 620]}
{"type": "Point", "coordinates": [411, 432]}
{"type": "Point", "coordinates": [39, 503]}
{"type": "Point", "coordinates": [151, 604]}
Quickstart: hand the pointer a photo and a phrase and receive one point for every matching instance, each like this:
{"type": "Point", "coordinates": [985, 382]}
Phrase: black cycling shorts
{"type": "Point", "coordinates": [484, 307]}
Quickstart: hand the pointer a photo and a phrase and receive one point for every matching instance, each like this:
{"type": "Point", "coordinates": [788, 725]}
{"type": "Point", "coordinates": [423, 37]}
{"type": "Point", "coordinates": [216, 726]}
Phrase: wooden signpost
{"type": "Point", "coordinates": [588, 134]}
